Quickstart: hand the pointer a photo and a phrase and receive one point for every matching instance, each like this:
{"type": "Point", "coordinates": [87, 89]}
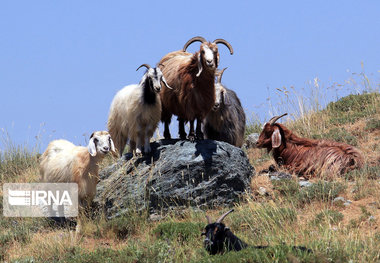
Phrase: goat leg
{"type": "Point", "coordinates": [191, 136]}
{"type": "Point", "coordinates": [181, 129]}
{"type": "Point", "coordinates": [167, 135]}
{"type": "Point", "coordinates": [199, 133]}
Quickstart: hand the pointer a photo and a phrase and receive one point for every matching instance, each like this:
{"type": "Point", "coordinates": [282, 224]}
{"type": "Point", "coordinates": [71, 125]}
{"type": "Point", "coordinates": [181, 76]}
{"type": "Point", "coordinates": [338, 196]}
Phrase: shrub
{"type": "Point", "coordinates": [353, 107]}
{"type": "Point", "coordinates": [338, 135]}
{"type": "Point", "coordinates": [125, 225]}
{"type": "Point", "coordinates": [321, 191]}
{"type": "Point", "coordinates": [328, 216]}
{"type": "Point", "coordinates": [179, 230]}
{"type": "Point", "coordinates": [372, 124]}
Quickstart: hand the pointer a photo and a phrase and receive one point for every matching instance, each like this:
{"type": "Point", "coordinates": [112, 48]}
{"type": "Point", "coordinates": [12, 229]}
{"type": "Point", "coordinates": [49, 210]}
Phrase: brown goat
{"type": "Point", "coordinates": [191, 77]}
{"type": "Point", "coordinates": [307, 156]}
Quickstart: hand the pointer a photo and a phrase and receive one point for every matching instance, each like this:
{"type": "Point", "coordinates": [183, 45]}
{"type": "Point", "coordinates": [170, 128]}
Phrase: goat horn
{"type": "Point", "coordinates": [223, 216]}
{"type": "Point", "coordinates": [192, 40]}
{"type": "Point", "coordinates": [222, 41]}
{"type": "Point", "coordinates": [143, 65]}
{"type": "Point", "coordinates": [220, 74]}
{"type": "Point", "coordinates": [208, 219]}
{"type": "Point", "coordinates": [275, 118]}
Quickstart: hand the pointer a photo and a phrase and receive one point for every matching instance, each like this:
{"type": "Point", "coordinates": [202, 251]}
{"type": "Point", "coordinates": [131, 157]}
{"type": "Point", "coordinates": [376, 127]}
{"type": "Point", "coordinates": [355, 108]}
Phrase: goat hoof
{"type": "Point", "coordinates": [167, 135]}
{"type": "Point", "coordinates": [182, 136]}
{"type": "Point", "coordinates": [191, 138]}
{"type": "Point", "coordinates": [138, 153]}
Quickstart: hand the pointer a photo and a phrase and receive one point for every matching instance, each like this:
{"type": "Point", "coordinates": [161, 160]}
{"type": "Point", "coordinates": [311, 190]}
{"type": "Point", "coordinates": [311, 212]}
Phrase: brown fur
{"type": "Point", "coordinates": [308, 156]}
{"type": "Point", "coordinates": [191, 97]}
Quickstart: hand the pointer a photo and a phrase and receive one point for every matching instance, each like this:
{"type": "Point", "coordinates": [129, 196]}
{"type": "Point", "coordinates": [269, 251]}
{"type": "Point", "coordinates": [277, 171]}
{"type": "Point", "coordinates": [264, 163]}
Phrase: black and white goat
{"type": "Point", "coordinates": [136, 111]}
{"type": "Point", "coordinates": [220, 239]}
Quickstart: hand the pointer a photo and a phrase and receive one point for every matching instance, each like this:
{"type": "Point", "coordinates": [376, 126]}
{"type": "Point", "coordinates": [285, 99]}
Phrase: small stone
{"type": "Point", "coordinates": [155, 217]}
{"type": "Point", "coordinates": [305, 184]}
{"type": "Point", "coordinates": [251, 140]}
{"type": "Point", "coordinates": [262, 191]}
{"type": "Point", "coordinates": [340, 201]}
{"type": "Point", "coordinates": [346, 204]}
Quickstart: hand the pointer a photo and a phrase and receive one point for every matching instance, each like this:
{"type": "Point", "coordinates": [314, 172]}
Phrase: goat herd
{"type": "Point", "coordinates": [190, 92]}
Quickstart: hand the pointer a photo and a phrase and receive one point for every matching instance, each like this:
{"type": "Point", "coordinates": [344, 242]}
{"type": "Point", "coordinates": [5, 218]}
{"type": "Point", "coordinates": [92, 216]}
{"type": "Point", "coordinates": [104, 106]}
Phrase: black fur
{"type": "Point", "coordinates": [149, 95]}
{"type": "Point", "coordinates": [232, 128]}
{"type": "Point", "coordinates": [220, 239]}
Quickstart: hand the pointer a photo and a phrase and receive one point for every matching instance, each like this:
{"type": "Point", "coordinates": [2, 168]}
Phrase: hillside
{"type": "Point", "coordinates": [285, 214]}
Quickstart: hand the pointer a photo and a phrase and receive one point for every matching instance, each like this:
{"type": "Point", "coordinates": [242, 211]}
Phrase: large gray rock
{"type": "Point", "coordinates": [178, 174]}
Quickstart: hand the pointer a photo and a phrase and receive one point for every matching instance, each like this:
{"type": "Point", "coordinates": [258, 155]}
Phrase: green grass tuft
{"type": "Point", "coordinates": [328, 216]}
{"type": "Point", "coordinates": [353, 107]}
{"type": "Point", "coordinates": [181, 231]}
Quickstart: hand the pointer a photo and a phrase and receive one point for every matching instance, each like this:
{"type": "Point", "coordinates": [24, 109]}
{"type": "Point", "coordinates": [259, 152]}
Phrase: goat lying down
{"type": "Point", "coordinates": [220, 239]}
{"type": "Point", "coordinates": [307, 156]}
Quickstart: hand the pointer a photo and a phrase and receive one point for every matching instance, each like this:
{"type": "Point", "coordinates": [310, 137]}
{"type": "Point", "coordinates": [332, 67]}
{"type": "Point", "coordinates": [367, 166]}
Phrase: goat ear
{"type": "Point", "coordinates": [92, 147]}
{"type": "Point", "coordinates": [112, 145]}
{"type": "Point", "coordinates": [226, 99]}
{"type": "Point", "coordinates": [200, 68]}
{"type": "Point", "coordinates": [276, 138]}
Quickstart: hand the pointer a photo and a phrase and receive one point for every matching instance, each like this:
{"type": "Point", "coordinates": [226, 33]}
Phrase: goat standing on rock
{"type": "Point", "coordinates": [226, 121]}
{"type": "Point", "coordinates": [306, 156]}
{"type": "Point", "coordinates": [192, 78]}
{"type": "Point", "coordinates": [136, 111]}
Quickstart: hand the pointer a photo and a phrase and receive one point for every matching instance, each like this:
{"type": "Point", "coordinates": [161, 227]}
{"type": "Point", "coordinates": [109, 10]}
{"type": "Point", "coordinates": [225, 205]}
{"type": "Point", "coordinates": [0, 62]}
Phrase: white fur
{"type": "Point", "coordinates": [64, 162]}
{"type": "Point", "coordinates": [130, 118]}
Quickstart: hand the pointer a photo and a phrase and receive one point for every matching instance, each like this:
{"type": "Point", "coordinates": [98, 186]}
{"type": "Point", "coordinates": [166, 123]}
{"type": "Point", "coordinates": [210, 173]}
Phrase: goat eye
{"type": "Point", "coordinates": [203, 52]}
{"type": "Point", "coordinates": [95, 140]}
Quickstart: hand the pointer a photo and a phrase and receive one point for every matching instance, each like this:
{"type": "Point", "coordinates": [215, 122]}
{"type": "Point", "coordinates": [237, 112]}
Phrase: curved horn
{"type": "Point", "coordinates": [223, 216]}
{"type": "Point", "coordinates": [143, 65]}
{"type": "Point", "coordinates": [220, 74]}
{"type": "Point", "coordinates": [192, 40]}
{"type": "Point", "coordinates": [208, 219]}
{"type": "Point", "coordinates": [275, 118]}
{"type": "Point", "coordinates": [222, 41]}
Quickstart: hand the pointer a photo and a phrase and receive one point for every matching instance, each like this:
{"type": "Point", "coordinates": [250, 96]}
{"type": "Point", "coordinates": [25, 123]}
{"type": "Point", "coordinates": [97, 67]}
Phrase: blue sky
{"type": "Point", "coordinates": [61, 62]}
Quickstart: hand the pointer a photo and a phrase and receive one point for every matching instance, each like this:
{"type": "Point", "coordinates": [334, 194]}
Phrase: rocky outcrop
{"type": "Point", "coordinates": [178, 174]}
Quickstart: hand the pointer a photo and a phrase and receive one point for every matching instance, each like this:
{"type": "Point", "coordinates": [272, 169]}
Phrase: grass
{"type": "Point", "coordinates": [328, 216]}
{"type": "Point", "coordinates": [289, 215]}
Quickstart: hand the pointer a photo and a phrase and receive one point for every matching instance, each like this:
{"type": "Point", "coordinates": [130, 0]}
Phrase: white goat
{"type": "Point", "coordinates": [136, 111]}
{"type": "Point", "coordinates": [64, 162]}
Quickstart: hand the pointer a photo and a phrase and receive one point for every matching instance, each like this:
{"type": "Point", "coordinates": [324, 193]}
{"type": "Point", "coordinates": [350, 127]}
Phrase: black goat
{"type": "Point", "coordinates": [220, 239]}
